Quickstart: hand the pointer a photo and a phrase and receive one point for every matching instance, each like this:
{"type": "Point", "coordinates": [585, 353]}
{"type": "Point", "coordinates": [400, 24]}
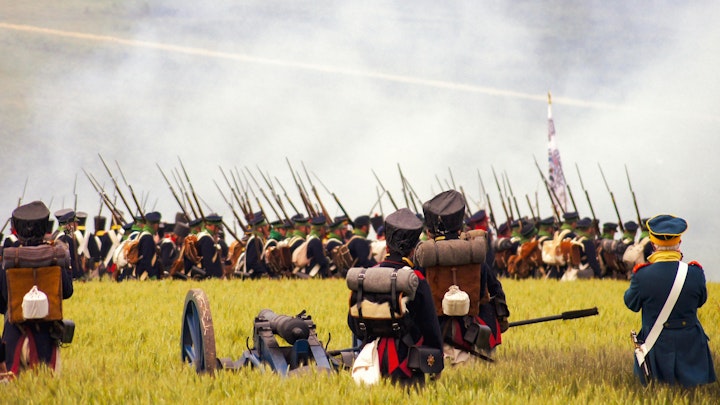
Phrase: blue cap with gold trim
{"type": "Point", "coordinates": [665, 230]}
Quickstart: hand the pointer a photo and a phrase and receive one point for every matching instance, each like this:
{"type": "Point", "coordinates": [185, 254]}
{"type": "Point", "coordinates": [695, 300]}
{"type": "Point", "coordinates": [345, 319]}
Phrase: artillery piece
{"type": "Point", "coordinates": [304, 351]}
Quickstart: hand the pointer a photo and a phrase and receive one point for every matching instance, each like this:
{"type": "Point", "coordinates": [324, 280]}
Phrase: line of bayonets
{"type": "Point", "coordinates": [190, 203]}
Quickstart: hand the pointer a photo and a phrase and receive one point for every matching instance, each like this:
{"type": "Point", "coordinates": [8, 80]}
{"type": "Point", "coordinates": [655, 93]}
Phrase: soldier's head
{"type": "Point", "coordinates": [318, 225]}
{"type": "Point", "coordinates": [81, 218]}
{"type": "Point", "coordinates": [609, 229]}
{"type": "Point", "coordinates": [444, 214]}
{"type": "Point", "coordinates": [478, 220]}
{"type": "Point", "coordinates": [362, 223]}
{"type": "Point", "coordinates": [665, 231]}
{"type": "Point", "coordinates": [547, 224]}
{"type": "Point", "coordinates": [301, 223]}
{"type": "Point", "coordinates": [259, 224]}
{"type": "Point", "coordinates": [30, 222]}
{"type": "Point", "coordinates": [195, 225]}
{"type": "Point", "coordinates": [213, 223]}
{"type": "Point", "coordinates": [528, 230]}
{"type": "Point", "coordinates": [66, 219]}
{"type": "Point", "coordinates": [99, 222]}
{"type": "Point", "coordinates": [570, 219]}
{"type": "Point", "coordinates": [181, 230]}
{"type": "Point", "coordinates": [631, 228]}
{"type": "Point", "coordinates": [152, 220]}
{"type": "Point", "coordinates": [402, 232]}
{"type": "Point", "coordinates": [584, 227]}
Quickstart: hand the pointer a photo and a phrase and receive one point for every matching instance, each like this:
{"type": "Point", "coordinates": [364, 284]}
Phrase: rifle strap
{"type": "Point", "coordinates": [666, 309]}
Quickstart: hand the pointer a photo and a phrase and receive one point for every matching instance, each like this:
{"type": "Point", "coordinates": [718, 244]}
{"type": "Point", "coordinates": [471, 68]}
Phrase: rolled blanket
{"type": "Point", "coordinates": [378, 280]}
{"type": "Point", "coordinates": [56, 254]}
{"type": "Point", "coordinates": [453, 252]}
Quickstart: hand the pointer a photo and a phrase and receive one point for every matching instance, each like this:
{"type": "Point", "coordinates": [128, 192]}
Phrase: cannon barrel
{"type": "Point", "coordinates": [289, 328]}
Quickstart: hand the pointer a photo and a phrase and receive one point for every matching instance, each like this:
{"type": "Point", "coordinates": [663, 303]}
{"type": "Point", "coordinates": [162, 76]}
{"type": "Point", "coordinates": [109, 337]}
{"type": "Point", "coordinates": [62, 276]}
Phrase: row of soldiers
{"type": "Point", "coordinates": [304, 247]}
{"type": "Point", "coordinates": [576, 248]}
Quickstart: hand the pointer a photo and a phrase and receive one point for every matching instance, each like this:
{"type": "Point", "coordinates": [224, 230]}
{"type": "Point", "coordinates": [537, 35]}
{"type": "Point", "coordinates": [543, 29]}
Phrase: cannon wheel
{"type": "Point", "coordinates": [198, 335]}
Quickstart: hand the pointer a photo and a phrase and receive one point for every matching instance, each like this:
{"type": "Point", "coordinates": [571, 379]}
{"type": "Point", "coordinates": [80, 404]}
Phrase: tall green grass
{"type": "Point", "coordinates": [127, 349]}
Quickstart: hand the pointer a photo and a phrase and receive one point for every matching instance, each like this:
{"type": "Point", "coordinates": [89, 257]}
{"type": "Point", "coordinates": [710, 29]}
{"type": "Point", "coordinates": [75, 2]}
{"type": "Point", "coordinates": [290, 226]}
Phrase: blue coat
{"type": "Point", "coordinates": [681, 354]}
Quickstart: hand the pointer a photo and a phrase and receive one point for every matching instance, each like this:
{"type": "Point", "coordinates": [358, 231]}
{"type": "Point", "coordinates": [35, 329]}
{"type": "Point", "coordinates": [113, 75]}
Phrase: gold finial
{"type": "Point", "coordinates": [549, 98]}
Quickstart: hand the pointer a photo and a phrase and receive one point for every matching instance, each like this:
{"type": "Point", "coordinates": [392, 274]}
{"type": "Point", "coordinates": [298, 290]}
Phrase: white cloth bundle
{"type": "Point", "coordinates": [366, 367]}
{"type": "Point", "coordinates": [35, 304]}
{"type": "Point", "coordinates": [456, 302]}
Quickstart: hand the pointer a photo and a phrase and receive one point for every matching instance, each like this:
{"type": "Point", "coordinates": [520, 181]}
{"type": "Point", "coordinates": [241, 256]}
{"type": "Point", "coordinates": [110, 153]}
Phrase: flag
{"type": "Point", "coordinates": [555, 171]}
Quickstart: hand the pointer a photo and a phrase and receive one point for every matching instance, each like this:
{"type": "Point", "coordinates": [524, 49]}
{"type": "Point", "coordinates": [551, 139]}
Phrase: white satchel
{"type": "Point", "coordinates": [35, 304]}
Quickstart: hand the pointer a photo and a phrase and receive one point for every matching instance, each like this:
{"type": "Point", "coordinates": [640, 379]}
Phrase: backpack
{"type": "Point", "coordinates": [35, 266]}
{"type": "Point", "coordinates": [561, 250]}
{"type": "Point", "coordinates": [635, 253]}
{"type": "Point", "coordinates": [378, 300]}
{"type": "Point", "coordinates": [299, 256]}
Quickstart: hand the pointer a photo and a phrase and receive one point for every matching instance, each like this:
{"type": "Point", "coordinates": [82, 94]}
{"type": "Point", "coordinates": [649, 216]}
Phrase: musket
{"type": "Point", "coordinates": [244, 187]}
{"type": "Point", "coordinates": [328, 220]}
{"type": "Point", "coordinates": [532, 212]}
{"type": "Point", "coordinates": [233, 192]}
{"type": "Point", "coordinates": [257, 200]}
{"type": "Point", "coordinates": [287, 197]}
{"type": "Point", "coordinates": [192, 189]}
{"type": "Point", "coordinates": [181, 186]}
{"type": "Point", "coordinates": [580, 313]}
{"type": "Point", "coordinates": [378, 201]}
{"type": "Point", "coordinates": [612, 197]}
{"type": "Point", "coordinates": [132, 193]}
{"type": "Point", "coordinates": [262, 191]}
{"type": "Point", "coordinates": [275, 195]}
{"type": "Point", "coordinates": [452, 179]}
{"type": "Point", "coordinates": [403, 189]}
{"type": "Point", "coordinates": [468, 212]}
{"type": "Point", "coordinates": [502, 200]}
{"type": "Point", "coordinates": [229, 203]}
{"type": "Point", "coordinates": [74, 194]}
{"type": "Point", "coordinates": [549, 191]}
{"type": "Point", "coordinates": [439, 183]}
{"type": "Point", "coordinates": [517, 208]}
{"type": "Point", "coordinates": [172, 190]}
{"type": "Point", "coordinates": [385, 190]}
{"type": "Point", "coordinates": [111, 206]}
{"type": "Point", "coordinates": [587, 197]}
{"type": "Point", "coordinates": [637, 211]}
{"type": "Point", "coordinates": [303, 196]}
{"type": "Point", "coordinates": [117, 187]}
{"type": "Point", "coordinates": [409, 189]}
{"type": "Point", "coordinates": [572, 199]}
{"type": "Point", "coordinates": [337, 200]}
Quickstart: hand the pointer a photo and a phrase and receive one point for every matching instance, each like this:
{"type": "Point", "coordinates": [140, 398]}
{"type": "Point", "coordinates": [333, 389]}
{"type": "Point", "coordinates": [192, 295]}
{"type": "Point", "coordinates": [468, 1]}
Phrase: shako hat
{"type": "Point", "coordinates": [402, 231]}
{"type": "Point", "coordinates": [65, 215]}
{"type": "Point", "coordinates": [444, 213]}
{"type": "Point", "coordinates": [153, 217]}
{"type": "Point", "coordinates": [630, 226]}
{"type": "Point", "coordinates": [30, 220]}
{"type": "Point", "coordinates": [584, 223]}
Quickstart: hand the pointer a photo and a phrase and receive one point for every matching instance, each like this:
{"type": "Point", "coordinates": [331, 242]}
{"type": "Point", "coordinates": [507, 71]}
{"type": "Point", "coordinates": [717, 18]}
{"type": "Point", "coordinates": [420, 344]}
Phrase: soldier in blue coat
{"type": "Point", "coordinates": [148, 266]}
{"type": "Point", "coordinates": [681, 355]}
{"type": "Point", "coordinates": [208, 247]}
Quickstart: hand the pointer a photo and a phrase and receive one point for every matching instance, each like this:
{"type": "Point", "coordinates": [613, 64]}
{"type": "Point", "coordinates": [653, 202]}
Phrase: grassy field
{"type": "Point", "coordinates": [127, 349]}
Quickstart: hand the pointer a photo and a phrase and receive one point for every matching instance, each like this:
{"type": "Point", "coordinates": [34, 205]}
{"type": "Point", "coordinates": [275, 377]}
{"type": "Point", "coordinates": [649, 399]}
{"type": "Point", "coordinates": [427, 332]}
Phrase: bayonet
{"type": "Point", "coordinates": [392, 201]}
{"type": "Point", "coordinates": [637, 211]}
{"type": "Point", "coordinates": [612, 197]}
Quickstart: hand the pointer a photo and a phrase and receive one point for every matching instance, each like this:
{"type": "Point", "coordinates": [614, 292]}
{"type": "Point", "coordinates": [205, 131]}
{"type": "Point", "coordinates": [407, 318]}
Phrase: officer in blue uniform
{"type": "Point", "coordinates": [681, 355]}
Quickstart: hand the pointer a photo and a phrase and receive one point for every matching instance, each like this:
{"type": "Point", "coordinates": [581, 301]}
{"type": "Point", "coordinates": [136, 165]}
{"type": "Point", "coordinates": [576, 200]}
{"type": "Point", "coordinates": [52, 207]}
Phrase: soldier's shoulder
{"type": "Point", "coordinates": [640, 266]}
{"type": "Point", "coordinates": [695, 263]}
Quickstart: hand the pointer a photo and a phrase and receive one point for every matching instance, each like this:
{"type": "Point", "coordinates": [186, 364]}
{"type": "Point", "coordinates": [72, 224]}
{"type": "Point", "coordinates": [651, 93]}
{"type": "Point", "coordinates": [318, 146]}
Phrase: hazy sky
{"type": "Point", "coordinates": [346, 87]}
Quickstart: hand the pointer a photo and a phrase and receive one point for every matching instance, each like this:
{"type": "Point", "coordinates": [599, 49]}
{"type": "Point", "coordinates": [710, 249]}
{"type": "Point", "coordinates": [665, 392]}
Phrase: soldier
{"type": "Point", "coordinates": [208, 247]}
{"type": "Point", "coordinates": [66, 229]}
{"type": "Point", "coordinates": [319, 264]}
{"type": "Point", "coordinates": [479, 220]}
{"type": "Point", "coordinates": [148, 266]}
{"type": "Point", "coordinates": [358, 245]}
{"type": "Point", "coordinates": [527, 260]}
{"type": "Point", "coordinates": [402, 230]}
{"type": "Point", "coordinates": [255, 247]}
{"type": "Point", "coordinates": [30, 341]}
{"type": "Point", "coordinates": [681, 355]}
{"type": "Point", "coordinates": [631, 228]}
{"type": "Point", "coordinates": [94, 247]}
{"type": "Point", "coordinates": [589, 265]}
{"type": "Point", "coordinates": [443, 217]}
{"type": "Point", "coordinates": [301, 229]}
{"type": "Point", "coordinates": [81, 242]}
{"type": "Point", "coordinates": [333, 242]}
